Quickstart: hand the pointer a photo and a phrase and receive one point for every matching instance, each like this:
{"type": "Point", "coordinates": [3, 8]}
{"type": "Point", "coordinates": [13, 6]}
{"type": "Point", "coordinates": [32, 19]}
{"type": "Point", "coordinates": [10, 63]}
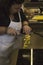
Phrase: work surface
{"type": "Point", "coordinates": [36, 41]}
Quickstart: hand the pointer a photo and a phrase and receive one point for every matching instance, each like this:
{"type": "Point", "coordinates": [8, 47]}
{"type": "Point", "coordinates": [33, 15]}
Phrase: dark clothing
{"type": "Point", "coordinates": [5, 21]}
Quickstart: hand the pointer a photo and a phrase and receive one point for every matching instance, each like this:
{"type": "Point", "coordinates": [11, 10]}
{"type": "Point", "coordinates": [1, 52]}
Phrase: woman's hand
{"type": "Point", "coordinates": [11, 31]}
{"type": "Point", "coordinates": [26, 29]}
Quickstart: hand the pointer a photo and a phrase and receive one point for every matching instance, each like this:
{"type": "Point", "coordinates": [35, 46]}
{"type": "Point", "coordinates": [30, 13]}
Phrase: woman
{"type": "Point", "coordinates": [12, 9]}
{"type": "Point", "coordinates": [12, 20]}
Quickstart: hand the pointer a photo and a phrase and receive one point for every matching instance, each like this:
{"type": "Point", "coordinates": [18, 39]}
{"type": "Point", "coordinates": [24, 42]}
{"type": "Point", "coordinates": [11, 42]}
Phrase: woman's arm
{"type": "Point", "coordinates": [26, 28]}
{"type": "Point", "coordinates": [25, 23]}
{"type": "Point", "coordinates": [4, 23]}
{"type": "Point", "coordinates": [3, 30]}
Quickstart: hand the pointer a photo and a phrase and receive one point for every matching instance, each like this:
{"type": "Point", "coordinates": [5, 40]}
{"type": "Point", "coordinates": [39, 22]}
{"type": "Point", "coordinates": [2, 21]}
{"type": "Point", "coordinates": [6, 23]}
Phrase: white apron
{"type": "Point", "coordinates": [6, 40]}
